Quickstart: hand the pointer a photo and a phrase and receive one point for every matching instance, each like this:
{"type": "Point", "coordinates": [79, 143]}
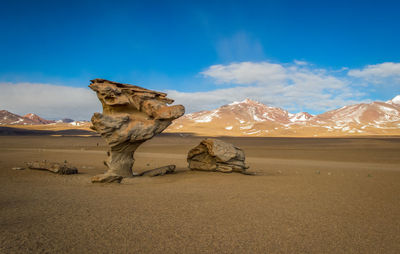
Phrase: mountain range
{"type": "Point", "coordinates": [8, 118]}
{"type": "Point", "coordinates": [252, 118]}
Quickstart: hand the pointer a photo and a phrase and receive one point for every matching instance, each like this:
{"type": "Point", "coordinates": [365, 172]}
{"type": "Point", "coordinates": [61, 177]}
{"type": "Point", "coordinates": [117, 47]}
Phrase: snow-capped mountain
{"type": "Point", "coordinates": [251, 118]}
{"type": "Point", "coordinates": [246, 117]}
{"type": "Point", "coordinates": [241, 112]}
{"type": "Point", "coordinates": [300, 117]}
{"type": "Point", "coordinates": [362, 117]}
{"type": "Point", "coordinates": [8, 118]}
{"type": "Point", "coordinates": [394, 101]}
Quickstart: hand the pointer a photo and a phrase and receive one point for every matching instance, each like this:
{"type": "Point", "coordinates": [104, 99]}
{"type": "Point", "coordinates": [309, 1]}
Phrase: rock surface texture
{"type": "Point", "coordinates": [55, 167]}
{"type": "Point", "coordinates": [131, 115]}
{"type": "Point", "coordinates": [217, 155]}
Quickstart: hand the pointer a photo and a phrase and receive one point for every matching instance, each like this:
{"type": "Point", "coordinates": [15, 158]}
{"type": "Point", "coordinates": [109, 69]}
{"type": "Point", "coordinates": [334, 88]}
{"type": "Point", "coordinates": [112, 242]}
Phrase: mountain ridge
{"type": "Point", "coordinates": [9, 118]}
{"type": "Point", "coordinates": [252, 118]}
{"type": "Point", "coordinates": [37, 119]}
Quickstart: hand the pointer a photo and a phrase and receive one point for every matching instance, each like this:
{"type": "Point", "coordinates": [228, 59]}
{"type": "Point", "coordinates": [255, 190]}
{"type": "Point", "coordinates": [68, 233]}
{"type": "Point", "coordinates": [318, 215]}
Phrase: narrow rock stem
{"type": "Point", "coordinates": [120, 163]}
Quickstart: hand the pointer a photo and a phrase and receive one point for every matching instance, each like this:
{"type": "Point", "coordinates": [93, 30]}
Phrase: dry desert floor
{"type": "Point", "coordinates": [309, 195]}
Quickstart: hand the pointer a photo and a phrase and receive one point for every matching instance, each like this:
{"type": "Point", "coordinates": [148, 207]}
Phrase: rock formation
{"type": "Point", "coordinates": [55, 167]}
{"type": "Point", "coordinates": [217, 155]}
{"type": "Point", "coordinates": [107, 178]}
{"type": "Point", "coordinates": [131, 115]}
{"type": "Point", "coordinates": [159, 171]}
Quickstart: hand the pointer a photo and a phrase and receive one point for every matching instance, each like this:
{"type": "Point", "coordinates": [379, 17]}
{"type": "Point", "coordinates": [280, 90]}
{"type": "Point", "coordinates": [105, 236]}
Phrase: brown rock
{"type": "Point", "coordinates": [159, 171]}
{"type": "Point", "coordinates": [131, 115]}
{"type": "Point", "coordinates": [107, 178]}
{"type": "Point", "coordinates": [217, 155]}
{"type": "Point", "coordinates": [55, 167]}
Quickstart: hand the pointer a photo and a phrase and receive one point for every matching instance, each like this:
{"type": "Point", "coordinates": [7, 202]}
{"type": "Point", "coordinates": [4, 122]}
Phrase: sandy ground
{"type": "Point", "coordinates": [309, 196]}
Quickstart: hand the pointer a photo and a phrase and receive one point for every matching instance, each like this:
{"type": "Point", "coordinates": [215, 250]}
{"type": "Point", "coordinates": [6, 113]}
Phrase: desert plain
{"type": "Point", "coordinates": [309, 195]}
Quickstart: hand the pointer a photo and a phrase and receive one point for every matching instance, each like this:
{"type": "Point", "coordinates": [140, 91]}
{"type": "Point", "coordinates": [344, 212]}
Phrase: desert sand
{"type": "Point", "coordinates": [309, 195]}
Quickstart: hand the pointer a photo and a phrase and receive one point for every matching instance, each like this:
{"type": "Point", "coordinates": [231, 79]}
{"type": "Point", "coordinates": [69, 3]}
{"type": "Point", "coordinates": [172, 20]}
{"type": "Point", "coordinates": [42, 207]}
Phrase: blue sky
{"type": "Point", "coordinates": [300, 55]}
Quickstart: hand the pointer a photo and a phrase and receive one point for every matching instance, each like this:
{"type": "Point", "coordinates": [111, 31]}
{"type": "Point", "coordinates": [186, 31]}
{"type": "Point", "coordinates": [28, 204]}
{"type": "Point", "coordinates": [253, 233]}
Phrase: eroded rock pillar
{"type": "Point", "coordinates": [131, 115]}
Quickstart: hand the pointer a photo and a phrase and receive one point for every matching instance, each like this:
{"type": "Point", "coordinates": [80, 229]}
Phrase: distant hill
{"type": "Point", "coordinates": [251, 118]}
{"type": "Point", "coordinates": [37, 119]}
{"type": "Point", "coordinates": [8, 118]}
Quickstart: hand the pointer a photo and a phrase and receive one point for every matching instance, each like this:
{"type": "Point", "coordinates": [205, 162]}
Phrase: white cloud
{"type": "Point", "coordinates": [378, 73]}
{"type": "Point", "coordinates": [49, 101]}
{"type": "Point", "coordinates": [291, 86]}
{"type": "Point", "coordinates": [247, 73]}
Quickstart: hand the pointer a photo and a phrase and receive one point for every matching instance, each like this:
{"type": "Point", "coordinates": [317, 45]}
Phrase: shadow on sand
{"type": "Point", "coordinates": [11, 131]}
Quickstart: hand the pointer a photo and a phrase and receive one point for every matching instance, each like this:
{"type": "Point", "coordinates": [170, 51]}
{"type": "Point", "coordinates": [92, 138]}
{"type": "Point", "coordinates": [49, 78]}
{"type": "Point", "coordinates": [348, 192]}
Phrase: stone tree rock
{"type": "Point", "coordinates": [217, 155]}
{"type": "Point", "coordinates": [131, 115]}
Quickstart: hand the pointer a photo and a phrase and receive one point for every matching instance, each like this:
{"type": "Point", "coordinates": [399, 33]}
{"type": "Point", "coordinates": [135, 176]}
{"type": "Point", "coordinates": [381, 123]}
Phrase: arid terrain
{"type": "Point", "coordinates": [310, 195]}
{"type": "Point", "coordinates": [215, 127]}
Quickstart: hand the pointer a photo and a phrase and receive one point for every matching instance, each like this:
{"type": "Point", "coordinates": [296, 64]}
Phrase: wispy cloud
{"type": "Point", "coordinates": [246, 73]}
{"type": "Point", "coordinates": [298, 62]}
{"type": "Point", "coordinates": [239, 47]}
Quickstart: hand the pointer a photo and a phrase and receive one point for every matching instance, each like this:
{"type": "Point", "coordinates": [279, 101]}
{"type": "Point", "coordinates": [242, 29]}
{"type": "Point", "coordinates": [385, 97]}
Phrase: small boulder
{"type": "Point", "coordinates": [217, 155]}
